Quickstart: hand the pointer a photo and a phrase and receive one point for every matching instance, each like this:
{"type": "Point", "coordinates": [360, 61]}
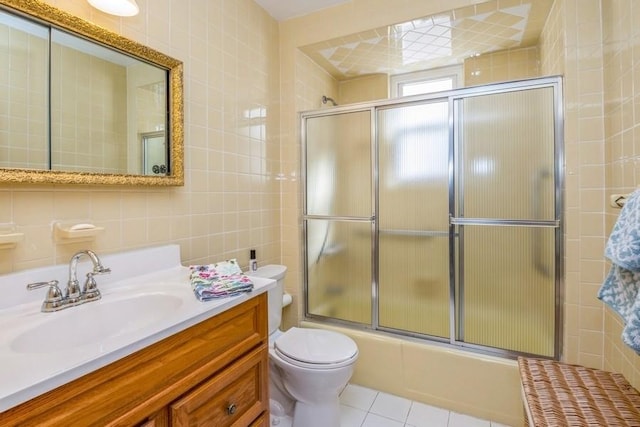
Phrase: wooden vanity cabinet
{"type": "Point", "coordinates": [214, 373]}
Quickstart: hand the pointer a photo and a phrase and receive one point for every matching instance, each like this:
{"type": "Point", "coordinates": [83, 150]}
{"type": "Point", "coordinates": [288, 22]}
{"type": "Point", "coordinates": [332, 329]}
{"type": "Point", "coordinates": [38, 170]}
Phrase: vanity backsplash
{"type": "Point", "coordinates": [123, 265]}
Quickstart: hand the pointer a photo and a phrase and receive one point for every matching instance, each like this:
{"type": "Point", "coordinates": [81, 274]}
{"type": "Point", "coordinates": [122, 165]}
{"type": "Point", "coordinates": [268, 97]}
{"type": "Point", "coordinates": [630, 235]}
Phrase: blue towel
{"type": "Point", "coordinates": [620, 288]}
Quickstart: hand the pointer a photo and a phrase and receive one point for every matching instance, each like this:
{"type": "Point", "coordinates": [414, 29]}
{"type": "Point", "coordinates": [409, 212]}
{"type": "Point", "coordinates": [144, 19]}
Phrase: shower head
{"type": "Point", "coordinates": [326, 99]}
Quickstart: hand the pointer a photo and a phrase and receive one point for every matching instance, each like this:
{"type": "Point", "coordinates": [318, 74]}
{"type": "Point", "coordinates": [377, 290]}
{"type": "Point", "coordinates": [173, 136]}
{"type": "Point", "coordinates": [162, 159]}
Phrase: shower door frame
{"type": "Point", "coordinates": [452, 97]}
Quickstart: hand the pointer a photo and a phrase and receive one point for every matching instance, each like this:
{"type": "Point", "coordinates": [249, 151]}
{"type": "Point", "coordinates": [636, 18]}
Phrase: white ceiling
{"type": "Point", "coordinates": [447, 38]}
{"type": "Point", "coordinates": [285, 9]}
{"type": "Point", "coordinates": [444, 39]}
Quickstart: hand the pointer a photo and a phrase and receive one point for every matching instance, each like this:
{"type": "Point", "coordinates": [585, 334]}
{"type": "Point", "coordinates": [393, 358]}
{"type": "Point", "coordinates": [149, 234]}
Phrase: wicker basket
{"type": "Point", "coordinates": [558, 394]}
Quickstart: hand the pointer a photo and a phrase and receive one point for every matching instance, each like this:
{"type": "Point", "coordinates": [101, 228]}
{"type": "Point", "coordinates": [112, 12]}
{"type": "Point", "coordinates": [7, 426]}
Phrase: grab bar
{"type": "Point", "coordinates": [505, 222]}
{"type": "Point", "coordinates": [415, 233]}
{"type": "Point", "coordinates": [540, 262]}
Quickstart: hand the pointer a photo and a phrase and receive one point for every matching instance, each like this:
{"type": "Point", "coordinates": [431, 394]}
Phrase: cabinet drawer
{"type": "Point", "coordinates": [263, 421]}
{"type": "Point", "coordinates": [161, 419]}
{"type": "Point", "coordinates": [235, 397]}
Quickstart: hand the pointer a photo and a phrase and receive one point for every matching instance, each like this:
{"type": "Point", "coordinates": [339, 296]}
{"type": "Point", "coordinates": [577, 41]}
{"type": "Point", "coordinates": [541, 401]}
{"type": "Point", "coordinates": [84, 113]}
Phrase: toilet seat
{"type": "Point", "coordinates": [316, 348]}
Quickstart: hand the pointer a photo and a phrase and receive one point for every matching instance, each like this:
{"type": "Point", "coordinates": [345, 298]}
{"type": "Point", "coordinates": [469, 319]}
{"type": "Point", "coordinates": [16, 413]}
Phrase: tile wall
{"type": "Point", "coordinates": [366, 88]}
{"type": "Point", "coordinates": [510, 64]}
{"type": "Point", "coordinates": [231, 198]}
{"type": "Point", "coordinates": [571, 45]}
{"type": "Point", "coordinates": [621, 66]}
{"type": "Point", "coordinates": [87, 134]}
{"type": "Point", "coordinates": [22, 114]}
{"type": "Point", "coordinates": [592, 43]}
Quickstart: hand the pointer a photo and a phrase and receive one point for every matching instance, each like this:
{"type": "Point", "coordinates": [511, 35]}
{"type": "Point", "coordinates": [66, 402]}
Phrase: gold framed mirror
{"type": "Point", "coordinates": [90, 99]}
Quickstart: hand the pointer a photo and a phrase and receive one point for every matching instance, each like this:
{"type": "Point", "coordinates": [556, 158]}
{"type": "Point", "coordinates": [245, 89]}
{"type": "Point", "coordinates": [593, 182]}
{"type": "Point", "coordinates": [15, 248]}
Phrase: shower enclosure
{"type": "Point", "coordinates": [439, 216]}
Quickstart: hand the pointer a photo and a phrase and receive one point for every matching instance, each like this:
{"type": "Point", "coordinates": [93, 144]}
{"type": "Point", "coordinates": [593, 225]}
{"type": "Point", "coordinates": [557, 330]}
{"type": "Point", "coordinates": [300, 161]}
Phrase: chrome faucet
{"type": "Point", "coordinates": [89, 292]}
{"type": "Point", "coordinates": [73, 295]}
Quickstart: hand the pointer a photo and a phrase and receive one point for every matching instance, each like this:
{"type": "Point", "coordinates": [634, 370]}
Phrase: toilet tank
{"type": "Point", "coordinates": [274, 296]}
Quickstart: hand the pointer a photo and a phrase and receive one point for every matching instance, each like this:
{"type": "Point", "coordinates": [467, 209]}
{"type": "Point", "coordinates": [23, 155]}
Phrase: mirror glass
{"type": "Point", "coordinates": [154, 153]}
{"type": "Point", "coordinates": [79, 104]}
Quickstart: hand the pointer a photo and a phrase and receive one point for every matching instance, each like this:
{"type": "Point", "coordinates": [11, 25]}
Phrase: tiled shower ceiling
{"type": "Point", "coordinates": [434, 41]}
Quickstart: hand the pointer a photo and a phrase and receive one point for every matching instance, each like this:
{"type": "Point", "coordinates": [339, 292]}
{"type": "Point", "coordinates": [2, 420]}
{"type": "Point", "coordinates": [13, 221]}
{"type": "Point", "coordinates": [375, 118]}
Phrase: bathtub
{"type": "Point", "coordinates": [478, 385]}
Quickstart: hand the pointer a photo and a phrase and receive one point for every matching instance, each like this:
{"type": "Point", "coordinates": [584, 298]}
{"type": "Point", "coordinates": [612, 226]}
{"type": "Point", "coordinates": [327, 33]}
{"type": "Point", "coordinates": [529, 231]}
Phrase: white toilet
{"type": "Point", "coordinates": [308, 368]}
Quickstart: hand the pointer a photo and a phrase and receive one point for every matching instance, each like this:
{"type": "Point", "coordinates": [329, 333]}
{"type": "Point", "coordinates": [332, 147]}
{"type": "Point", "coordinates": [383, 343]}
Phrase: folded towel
{"type": "Point", "coordinates": [621, 286]}
{"type": "Point", "coordinates": [224, 279]}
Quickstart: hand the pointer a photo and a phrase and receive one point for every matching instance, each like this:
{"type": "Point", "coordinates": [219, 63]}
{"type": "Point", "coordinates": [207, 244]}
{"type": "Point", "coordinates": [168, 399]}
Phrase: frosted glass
{"type": "Point", "coordinates": [414, 159]}
{"type": "Point", "coordinates": [339, 269]}
{"type": "Point", "coordinates": [338, 165]}
{"type": "Point", "coordinates": [499, 276]}
{"type": "Point", "coordinates": [509, 296]}
{"type": "Point", "coordinates": [506, 155]}
{"type": "Point", "coordinates": [413, 216]}
{"type": "Point", "coordinates": [414, 284]}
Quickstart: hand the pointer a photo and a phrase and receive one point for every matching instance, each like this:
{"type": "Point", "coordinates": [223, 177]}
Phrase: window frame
{"type": "Point", "coordinates": [454, 72]}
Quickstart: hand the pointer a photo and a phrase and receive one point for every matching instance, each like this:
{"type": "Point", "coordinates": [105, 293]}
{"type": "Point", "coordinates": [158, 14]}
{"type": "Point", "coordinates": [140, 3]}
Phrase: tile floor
{"type": "Point", "coordinates": [364, 407]}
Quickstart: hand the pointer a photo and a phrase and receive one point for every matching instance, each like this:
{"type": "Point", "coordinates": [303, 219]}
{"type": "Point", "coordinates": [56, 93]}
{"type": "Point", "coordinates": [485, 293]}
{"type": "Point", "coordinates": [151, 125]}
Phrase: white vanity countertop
{"type": "Point", "coordinates": [28, 369]}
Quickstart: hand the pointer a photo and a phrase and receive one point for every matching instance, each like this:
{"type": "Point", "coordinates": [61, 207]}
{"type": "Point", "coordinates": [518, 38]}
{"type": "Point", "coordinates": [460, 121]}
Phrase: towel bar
{"type": "Point", "coordinates": [618, 200]}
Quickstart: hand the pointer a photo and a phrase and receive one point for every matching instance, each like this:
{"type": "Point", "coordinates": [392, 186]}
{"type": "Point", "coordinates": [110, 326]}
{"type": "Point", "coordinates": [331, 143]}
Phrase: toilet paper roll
{"type": "Point", "coordinates": [286, 299]}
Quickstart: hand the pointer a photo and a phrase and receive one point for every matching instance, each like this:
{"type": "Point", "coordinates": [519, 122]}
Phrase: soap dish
{"type": "Point", "coordinates": [10, 240]}
{"type": "Point", "coordinates": [75, 233]}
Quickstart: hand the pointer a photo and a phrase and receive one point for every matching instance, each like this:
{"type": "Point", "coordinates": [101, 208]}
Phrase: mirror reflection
{"type": "Point", "coordinates": [70, 104]}
{"type": "Point", "coordinates": [154, 153]}
{"type": "Point", "coordinates": [102, 102]}
{"type": "Point", "coordinates": [24, 95]}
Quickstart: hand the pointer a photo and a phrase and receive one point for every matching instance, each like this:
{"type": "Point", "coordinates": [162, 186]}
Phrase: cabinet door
{"type": "Point", "coordinates": [235, 397]}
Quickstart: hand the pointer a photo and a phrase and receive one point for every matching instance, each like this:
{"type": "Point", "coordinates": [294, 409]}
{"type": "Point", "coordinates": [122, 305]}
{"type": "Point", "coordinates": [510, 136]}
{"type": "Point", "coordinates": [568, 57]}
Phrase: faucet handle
{"type": "Point", "coordinates": [73, 292]}
{"type": "Point", "coordinates": [53, 301]}
{"type": "Point", "coordinates": [90, 291]}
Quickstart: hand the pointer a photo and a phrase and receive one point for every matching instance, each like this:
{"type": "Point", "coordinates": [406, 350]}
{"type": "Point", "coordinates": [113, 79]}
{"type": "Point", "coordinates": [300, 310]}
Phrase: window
{"type": "Point", "coordinates": [427, 81]}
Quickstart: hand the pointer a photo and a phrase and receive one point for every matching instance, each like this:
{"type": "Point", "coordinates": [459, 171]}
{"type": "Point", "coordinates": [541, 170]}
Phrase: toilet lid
{"type": "Point", "coordinates": [316, 347]}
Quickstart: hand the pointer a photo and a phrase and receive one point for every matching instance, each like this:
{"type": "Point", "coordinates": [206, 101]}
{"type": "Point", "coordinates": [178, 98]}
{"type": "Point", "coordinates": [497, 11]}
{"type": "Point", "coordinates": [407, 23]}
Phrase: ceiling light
{"type": "Point", "coordinates": [116, 7]}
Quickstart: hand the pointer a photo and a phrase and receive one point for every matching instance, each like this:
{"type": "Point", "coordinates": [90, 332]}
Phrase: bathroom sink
{"type": "Point", "coordinates": [146, 298]}
{"type": "Point", "coordinates": [94, 322]}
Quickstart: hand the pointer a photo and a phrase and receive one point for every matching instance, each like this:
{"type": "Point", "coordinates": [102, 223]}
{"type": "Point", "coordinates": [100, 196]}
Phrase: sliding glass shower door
{"type": "Point", "coordinates": [506, 220]}
{"type": "Point", "coordinates": [339, 216]}
{"type": "Point", "coordinates": [439, 217]}
{"type": "Point", "coordinates": [413, 218]}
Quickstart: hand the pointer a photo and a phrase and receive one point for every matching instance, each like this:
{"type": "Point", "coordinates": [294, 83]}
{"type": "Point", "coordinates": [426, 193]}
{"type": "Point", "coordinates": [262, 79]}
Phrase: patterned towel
{"type": "Point", "coordinates": [224, 279]}
{"type": "Point", "coordinates": [620, 288]}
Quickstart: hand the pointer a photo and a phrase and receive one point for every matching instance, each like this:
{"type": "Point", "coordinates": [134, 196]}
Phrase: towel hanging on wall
{"type": "Point", "coordinates": [621, 286]}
